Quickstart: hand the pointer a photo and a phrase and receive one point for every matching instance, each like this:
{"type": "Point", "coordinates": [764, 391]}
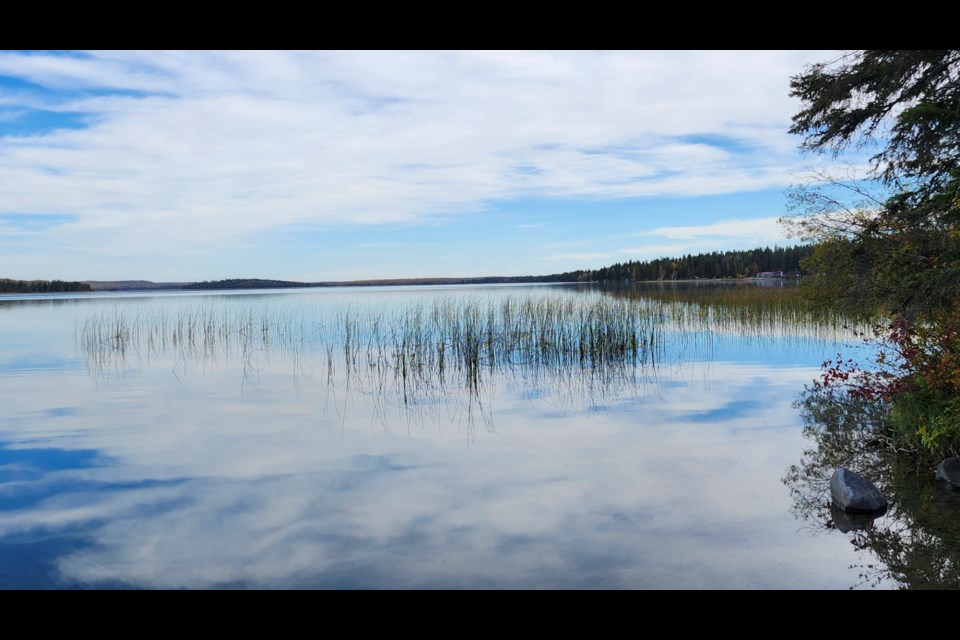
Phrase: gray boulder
{"type": "Point", "coordinates": [948, 473]}
{"type": "Point", "coordinates": [853, 493]}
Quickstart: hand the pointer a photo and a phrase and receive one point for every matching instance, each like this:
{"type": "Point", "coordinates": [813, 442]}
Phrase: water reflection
{"type": "Point", "coordinates": [916, 543]}
{"type": "Point", "coordinates": [212, 492]}
{"type": "Point", "coordinates": [12, 302]}
{"type": "Point", "coordinates": [290, 463]}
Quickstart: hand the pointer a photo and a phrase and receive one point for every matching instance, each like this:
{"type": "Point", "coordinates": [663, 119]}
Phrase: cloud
{"type": "Point", "coordinates": [201, 149]}
{"type": "Point", "coordinates": [582, 255]}
{"type": "Point", "coordinates": [758, 228]}
{"type": "Point", "coordinates": [718, 236]}
{"type": "Point", "coordinates": [29, 224]}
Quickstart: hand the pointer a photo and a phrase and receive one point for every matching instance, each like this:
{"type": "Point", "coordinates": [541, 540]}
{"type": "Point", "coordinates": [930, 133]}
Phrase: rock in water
{"type": "Point", "coordinates": [853, 493]}
{"type": "Point", "coordinates": [948, 473]}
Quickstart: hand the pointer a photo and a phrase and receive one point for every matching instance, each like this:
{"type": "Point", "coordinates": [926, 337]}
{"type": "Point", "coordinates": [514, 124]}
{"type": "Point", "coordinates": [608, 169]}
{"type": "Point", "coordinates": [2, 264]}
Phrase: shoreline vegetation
{"type": "Point", "coordinates": [8, 285]}
{"type": "Point", "coordinates": [714, 266]}
{"type": "Point", "coordinates": [888, 241]}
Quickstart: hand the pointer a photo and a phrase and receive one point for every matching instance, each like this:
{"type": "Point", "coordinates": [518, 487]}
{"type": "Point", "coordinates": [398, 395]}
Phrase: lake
{"type": "Point", "coordinates": [507, 437]}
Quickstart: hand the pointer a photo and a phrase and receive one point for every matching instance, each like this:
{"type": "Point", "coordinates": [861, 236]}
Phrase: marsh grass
{"type": "Point", "coordinates": [747, 309]}
{"type": "Point", "coordinates": [440, 352]}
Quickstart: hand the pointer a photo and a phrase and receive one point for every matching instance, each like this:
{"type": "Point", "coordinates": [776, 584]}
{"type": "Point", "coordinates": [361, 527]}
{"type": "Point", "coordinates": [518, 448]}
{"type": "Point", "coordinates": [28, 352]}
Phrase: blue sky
{"type": "Point", "coordinates": [173, 166]}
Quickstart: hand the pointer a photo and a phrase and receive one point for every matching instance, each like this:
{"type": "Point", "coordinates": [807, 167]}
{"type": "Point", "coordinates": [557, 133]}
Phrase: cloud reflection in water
{"type": "Point", "coordinates": [203, 478]}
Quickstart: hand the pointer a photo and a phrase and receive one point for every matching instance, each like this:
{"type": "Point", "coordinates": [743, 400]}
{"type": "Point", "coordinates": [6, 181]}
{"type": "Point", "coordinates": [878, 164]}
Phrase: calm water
{"type": "Point", "coordinates": [241, 459]}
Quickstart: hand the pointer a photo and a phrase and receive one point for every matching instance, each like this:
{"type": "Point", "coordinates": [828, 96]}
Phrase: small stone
{"type": "Point", "coordinates": [948, 473]}
{"type": "Point", "coordinates": [854, 493]}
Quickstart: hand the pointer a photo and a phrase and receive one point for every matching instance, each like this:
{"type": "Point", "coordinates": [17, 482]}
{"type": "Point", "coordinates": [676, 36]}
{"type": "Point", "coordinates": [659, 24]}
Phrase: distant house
{"type": "Point", "coordinates": [770, 274]}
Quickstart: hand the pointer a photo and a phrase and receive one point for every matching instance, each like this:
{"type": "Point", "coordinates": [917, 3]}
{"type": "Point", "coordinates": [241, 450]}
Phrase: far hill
{"type": "Point", "coordinates": [247, 283]}
{"type": "Point", "coordinates": [132, 285]}
{"type": "Point", "coordinates": [256, 283]}
{"type": "Point", "coordinates": [726, 264]}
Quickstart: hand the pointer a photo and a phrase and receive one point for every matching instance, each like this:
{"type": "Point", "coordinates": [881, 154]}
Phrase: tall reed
{"type": "Point", "coordinates": [429, 350]}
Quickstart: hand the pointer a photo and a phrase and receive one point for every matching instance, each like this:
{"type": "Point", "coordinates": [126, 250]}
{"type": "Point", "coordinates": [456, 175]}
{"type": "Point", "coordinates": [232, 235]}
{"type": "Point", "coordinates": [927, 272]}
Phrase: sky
{"type": "Point", "coordinates": [325, 165]}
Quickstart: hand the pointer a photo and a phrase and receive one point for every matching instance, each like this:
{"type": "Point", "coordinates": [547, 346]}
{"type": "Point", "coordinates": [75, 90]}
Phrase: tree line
{"type": "Point", "coordinates": [246, 283]}
{"type": "Point", "coordinates": [41, 286]}
{"type": "Point", "coordinates": [726, 264]}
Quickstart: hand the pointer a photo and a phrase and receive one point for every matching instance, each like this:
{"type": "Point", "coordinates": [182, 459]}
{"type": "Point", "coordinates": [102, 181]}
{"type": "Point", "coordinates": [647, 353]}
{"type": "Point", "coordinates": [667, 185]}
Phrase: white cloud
{"type": "Point", "coordinates": [202, 149]}
{"type": "Point", "coordinates": [755, 228]}
{"type": "Point", "coordinates": [582, 255]}
{"type": "Point", "coordinates": [718, 236]}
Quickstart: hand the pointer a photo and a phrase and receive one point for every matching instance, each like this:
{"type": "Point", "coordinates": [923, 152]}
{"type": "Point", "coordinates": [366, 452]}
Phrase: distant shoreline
{"type": "Point", "coordinates": [780, 263]}
{"type": "Point", "coordinates": [147, 286]}
{"type": "Point", "coordinates": [261, 284]}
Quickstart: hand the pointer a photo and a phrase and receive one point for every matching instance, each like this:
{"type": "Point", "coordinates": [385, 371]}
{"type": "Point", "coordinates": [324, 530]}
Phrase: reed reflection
{"type": "Point", "coordinates": [442, 352]}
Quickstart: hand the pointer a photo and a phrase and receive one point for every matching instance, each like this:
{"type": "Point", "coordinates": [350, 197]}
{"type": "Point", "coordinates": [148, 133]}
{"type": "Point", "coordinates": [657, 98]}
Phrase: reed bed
{"type": "Point", "coordinates": [745, 310]}
{"type": "Point", "coordinates": [583, 343]}
{"type": "Point", "coordinates": [426, 342]}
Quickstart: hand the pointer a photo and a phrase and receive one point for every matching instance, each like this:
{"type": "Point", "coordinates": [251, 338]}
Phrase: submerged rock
{"type": "Point", "coordinates": [948, 473]}
{"type": "Point", "coordinates": [853, 493]}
